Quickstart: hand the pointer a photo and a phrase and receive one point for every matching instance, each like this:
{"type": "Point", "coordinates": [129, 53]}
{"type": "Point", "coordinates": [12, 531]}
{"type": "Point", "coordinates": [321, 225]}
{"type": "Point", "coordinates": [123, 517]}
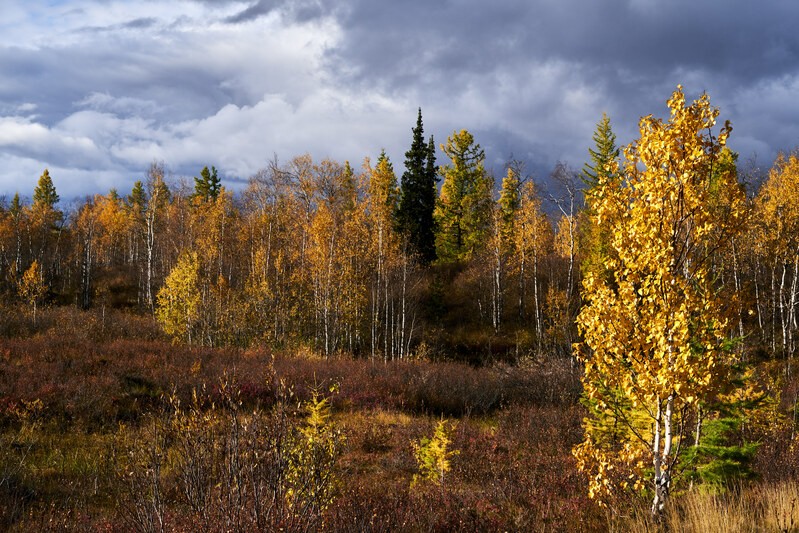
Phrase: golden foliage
{"type": "Point", "coordinates": [433, 454]}
{"type": "Point", "coordinates": [653, 330]}
{"type": "Point", "coordinates": [179, 299]}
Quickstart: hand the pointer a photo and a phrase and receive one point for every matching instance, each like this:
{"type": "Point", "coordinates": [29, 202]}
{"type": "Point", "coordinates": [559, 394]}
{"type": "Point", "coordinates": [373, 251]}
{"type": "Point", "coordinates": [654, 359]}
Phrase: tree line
{"type": "Point", "coordinates": [311, 253]}
{"type": "Point", "coordinates": [446, 258]}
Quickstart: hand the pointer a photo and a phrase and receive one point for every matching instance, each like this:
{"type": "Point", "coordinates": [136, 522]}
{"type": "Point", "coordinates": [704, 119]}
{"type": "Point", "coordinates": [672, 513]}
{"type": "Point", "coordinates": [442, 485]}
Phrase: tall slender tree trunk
{"type": "Point", "coordinates": [792, 324]}
{"type": "Point", "coordinates": [737, 282]}
{"type": "Point", "coordinates": [784, 316]}
{"type": "Point", "coordinates": [537, 304]}
{"type": "Point", "coordinates": [86, 274]}
{"type": "Point", "coordinates": [522, 281]}
{"type": "Point", "coordinates": [149, 272]}
{"type": "Point", "coordinates": [662, 474]}
{"type": "Point", "coordinates": [774, 307]}
{"type": "Point", "coordinates": [759, 306]}
{"type": "Point", "coordinates": [403, 310]}
{"type": "Point", "coordinates": [496, 287]}
{"type": "Point", "coordinates": [18, 259]}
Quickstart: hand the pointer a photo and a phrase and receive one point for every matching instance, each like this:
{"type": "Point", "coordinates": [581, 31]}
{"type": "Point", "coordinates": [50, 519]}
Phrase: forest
{"type": "Point", "coordinates": [359, 348]}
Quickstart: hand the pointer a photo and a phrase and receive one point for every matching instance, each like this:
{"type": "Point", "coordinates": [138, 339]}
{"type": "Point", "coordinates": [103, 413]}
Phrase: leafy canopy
{"type": "Point", "coordinates": [654, 346]}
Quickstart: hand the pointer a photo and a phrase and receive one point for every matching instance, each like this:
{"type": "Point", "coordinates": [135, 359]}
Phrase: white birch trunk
{"type": "Point", "coordinates": [662, 460]}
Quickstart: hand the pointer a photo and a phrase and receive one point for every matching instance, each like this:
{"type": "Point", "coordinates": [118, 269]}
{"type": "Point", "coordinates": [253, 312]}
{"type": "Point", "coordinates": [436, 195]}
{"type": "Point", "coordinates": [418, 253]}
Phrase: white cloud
{"type": "Point", "coordinates": [189, 90]}
{"type": "Point", "coordinates": [31, 139]}
{"type": "Point", "coordinates": [26, 108]}
{"type": "Point", "coordinates": [124, 105]}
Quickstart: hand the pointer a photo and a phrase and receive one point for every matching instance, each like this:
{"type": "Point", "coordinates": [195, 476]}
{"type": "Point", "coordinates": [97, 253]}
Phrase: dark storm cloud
{"type": "Point", "coordinates": [115, 84]}
{"type": "Point", "coordinates": [644, 38]}
{"type": "Point", "coordinates": [58, 78]}
{"type": "Point", "coordinates": [96, 91]}
{"type": "Point", "coordinates": [256, 10]}
{"type": "Point", "coordinates": [297, 10]}
{"type": "Point", "coordinates": [626, 55]}
{"type": "Point", "coordinates": [136, 24]}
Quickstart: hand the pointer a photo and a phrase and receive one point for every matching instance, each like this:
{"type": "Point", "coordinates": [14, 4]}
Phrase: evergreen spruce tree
{"type": "Point", "coordinates": [137, 199]}
{"type": "Point", "coordinates": [721, 456]}
{"type": "Point", "coordinates": [44, 195]}
{"type": "Point", "coordinates": [605, 153]}
{"type": "Point", "coordinates": [208, 185]}
{"type": "Point", "coordinates": [16, 206]}
{"type": "Point", "coordinates": [604, 158]}
{"type": "Point", "coordinates": [45, 199]}
{"type": "Point", "coordinates": [418, 196]}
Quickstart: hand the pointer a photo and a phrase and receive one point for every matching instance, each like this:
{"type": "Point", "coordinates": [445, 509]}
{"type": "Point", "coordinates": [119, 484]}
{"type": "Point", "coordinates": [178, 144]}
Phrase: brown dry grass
{"type": "Point", "coordinates": [767, 507]}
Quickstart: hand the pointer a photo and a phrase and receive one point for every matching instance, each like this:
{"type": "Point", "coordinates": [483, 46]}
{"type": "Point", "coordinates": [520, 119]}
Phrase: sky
{"type": "Point", "coordinates": [97, 90]}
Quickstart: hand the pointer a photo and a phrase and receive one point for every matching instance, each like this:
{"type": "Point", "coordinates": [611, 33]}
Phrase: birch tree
{"type": "Point", "coordinates": [333, 270]}
{"type": "Point", "coordinates": [655, 346]}
{"type": "Point", "coordinates": [777, 213]}
{"type": "Point", "coordinates": [179, 300]}
{"type": "Point", "coordinates": [147, 203]}
{"type": "Point", "coordinates": [86, 229]}
{"type": "Point", "coordinates": [18, 218]}
{"type": "Point", "coordinates": [389, 300]}
{"type": "Point", "coordinates": [533, 241]}
{"type": "Point", "coordinates": [32, 287]}
{"type": "Point", "coordinates": [269, 225]}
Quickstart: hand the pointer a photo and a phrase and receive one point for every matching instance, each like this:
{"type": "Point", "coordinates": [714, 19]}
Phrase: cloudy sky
{"type": "Point", "coordinates": [96, 90]}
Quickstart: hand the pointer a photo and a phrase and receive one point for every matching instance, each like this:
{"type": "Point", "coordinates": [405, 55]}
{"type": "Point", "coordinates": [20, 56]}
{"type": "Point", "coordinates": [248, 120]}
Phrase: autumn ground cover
{"type": "Point", "coordinates": [90, 437]}
{"type": "Point", "coordinates": [81, 390]}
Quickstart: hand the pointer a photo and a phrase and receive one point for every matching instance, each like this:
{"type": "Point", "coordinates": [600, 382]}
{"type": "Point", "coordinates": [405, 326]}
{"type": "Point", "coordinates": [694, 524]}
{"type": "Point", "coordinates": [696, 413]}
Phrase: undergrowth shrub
{"type": "Point", "coordinates": [441, 389]}
{"type": "Point", "coordinates": [224, 467]}
{"type": "Point", "coordinates": [114, 394]}
{"type": "Point", "coordinates": [16, 490]}
{"type": "Point", "coordinates": [96, 380]}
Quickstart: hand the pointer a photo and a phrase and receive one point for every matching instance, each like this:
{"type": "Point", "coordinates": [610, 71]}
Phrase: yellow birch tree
{"type": "Point", "coordinates": [32, 287]}
{"type": "Point", "coordinates": [654, 337]}
{"type": "Point", "coordinates": [179, 299]}
{"type": "Point", "coordinates": [777, 238]}
{"type": "Point", "coordinates": [533, 242]}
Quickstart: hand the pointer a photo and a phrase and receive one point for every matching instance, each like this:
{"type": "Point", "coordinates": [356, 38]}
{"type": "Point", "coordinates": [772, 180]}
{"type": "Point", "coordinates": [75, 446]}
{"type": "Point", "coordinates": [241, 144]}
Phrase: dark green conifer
{"type": "Point", "coordinates": [418, 196]}
{"type": "Point", "coordinates": [44, 195]}
{"type": "Point", "coordinates": [137, 199]}
{"type": "Point", "coordinates": [605, 153]}
{"type": "Point", "coordinates": [603, 159]}
{"type": "Point", "coordinates": [16, 207]}
{"type": "Point", "coordinates": [45, 199]}
{"type": "Point", "coordinates": [208, 185]}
